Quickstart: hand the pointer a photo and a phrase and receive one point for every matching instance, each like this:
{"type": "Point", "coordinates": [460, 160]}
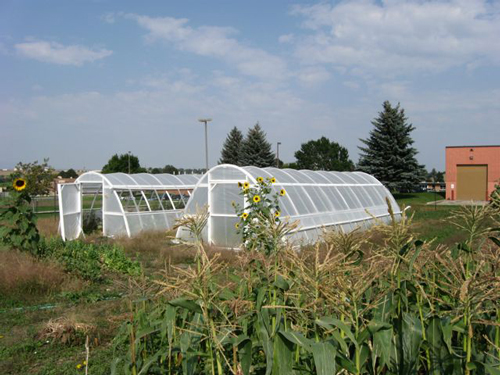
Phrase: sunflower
{"type": "Point", "coordinates": [246, 185]}
{"type": "Point", "coordinates": [256, 198]}
{"type": "Point", "coordinates": [240, 184]}
{"type": "Point", "coordinates": [273, 180]}
{"type": "Point", "coordinates": [277, 213]}
{"type": "Point", "coordinates": [237, 225]}
{"type": "Point", "coordinates": [282, 192]}
{"type": "Point", "coordinates": [244, 215]}
{"type": "Point", "coordinates": [19, 184]}
{"type": "Point", "coordinates": [260, 180]}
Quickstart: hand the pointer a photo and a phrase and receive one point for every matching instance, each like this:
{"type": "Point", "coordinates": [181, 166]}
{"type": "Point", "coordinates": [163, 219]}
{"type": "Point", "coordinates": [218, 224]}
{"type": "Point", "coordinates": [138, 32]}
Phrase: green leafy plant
{"type": "Point", "coordinates": [18, 229]}
{"type": "Point", "coordinates": [89, 261]}
{"type": "Point", "coordinates": [260, 220]}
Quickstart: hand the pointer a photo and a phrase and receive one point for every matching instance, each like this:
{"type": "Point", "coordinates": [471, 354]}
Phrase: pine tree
{"type": "Point", "coordinates": [388, 153]}
{"type": "Point", "coordinates": [231, 148]}
{"type": "Point", "coordinates": [256, 150]}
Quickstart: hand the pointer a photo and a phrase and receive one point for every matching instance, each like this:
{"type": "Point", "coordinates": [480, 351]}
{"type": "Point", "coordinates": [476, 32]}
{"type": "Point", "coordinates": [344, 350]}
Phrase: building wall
{"type": "Point", "coordinates": [471, 155]}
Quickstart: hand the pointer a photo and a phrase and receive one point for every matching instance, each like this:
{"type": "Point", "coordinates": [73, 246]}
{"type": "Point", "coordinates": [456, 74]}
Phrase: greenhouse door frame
{"type": "Point", "coordinates": [74, 189]}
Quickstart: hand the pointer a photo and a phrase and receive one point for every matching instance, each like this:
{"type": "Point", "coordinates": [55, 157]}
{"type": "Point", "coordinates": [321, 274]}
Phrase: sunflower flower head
{"type": "Point", "coordinates": [237, 225]}
{"type": "Point", "coordinates": [282, 192]}
{"type": "Point", "coordinates": [277, 213]}
{"type": "Point", "coordinates": [256, 198]}
{"type": "Point", "coordinates": [273, 180]}
{"type": "Point", "coordinates": [246, 185]}
{"type": "Point", "coordinates": [19, 184]}
{"type": "Point", "coordinates": [240, 184]}
{"type": "Point", "coordinates": [260, 180]}
{"type": "Point", "coordinates": [244, 215]}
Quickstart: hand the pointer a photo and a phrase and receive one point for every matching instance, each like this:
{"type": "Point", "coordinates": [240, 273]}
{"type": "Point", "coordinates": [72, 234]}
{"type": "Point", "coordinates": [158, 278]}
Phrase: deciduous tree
{"type": "Point", "coordinates": [121, 164]}
{"type": "Point", "coordinates": [323, 155]}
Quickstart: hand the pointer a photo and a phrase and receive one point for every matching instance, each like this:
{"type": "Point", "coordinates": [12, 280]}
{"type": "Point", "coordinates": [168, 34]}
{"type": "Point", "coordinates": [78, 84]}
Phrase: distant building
{"type": "Point", "coordinates": [472, 172]}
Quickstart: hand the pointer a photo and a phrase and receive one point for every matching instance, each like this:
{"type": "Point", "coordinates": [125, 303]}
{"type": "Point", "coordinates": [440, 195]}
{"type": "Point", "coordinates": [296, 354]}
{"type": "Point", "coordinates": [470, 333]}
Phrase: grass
{"type": "Point", "coordinates": [430, 221]}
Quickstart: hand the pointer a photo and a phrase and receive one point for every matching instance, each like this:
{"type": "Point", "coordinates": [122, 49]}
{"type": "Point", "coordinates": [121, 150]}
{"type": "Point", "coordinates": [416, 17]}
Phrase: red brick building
{"type": "Point", "coordinates": [472, 172]}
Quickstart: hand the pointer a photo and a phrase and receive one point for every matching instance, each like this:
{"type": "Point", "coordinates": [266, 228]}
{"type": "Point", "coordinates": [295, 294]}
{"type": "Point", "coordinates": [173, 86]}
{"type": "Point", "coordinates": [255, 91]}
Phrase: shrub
{"type": "Point", "coordinates": [90, 260]}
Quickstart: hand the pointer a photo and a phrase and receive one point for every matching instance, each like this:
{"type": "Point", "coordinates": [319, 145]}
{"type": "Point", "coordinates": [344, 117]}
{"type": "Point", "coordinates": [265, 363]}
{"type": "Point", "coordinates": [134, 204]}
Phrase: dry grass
{"type": "Point", "coordinates": [22, 274]}
{"type": "Point", "coordinates": [155, 249]}
{"type": "Point", "coordinates": [48, 226]}
{"type": "Point", "coordinates": [66, 331]}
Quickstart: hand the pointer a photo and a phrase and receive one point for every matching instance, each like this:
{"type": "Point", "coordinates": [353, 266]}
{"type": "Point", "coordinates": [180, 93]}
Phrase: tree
{"type": "Point", "coordinates": [169, 169]}
{"type": "Point", "coordinates": [323, 155]}
{"type": "Point", "coordinates": [121, 164]}
{"type": "Point", "coordinates": [39, 177]}
{"type": "Point", "coordinates": [70, 173]}
{"type": "Point", "coordinates": [256, 150]}
{"type": "Point", "coordinates": [231, 149]}
{"type": "Point", "coordinates": [388, 153]}
{"type": "Point", "coordinates": [166, 169]}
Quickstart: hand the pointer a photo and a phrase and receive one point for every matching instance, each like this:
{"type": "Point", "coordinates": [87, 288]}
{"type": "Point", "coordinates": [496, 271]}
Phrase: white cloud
{"type": "Point", "coordinates": [287, 38]}
{"type": "Point", "coordinates": [215, 42]}
{"type": "Point", "coordinates": [398, 36]}
{"type": "Point", "coordinates": [162, 114]}
{"type": "Point", "coordinates": [56, 53]}
{"type": "Point", "coordinates": [109, 18]}
{"type": "Point", "coordinates": [313, 75]}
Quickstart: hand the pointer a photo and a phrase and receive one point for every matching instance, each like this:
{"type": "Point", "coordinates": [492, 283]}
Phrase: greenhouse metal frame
{"type": "Point", "coordinates": [317, 199]}
{"type": "Point", "coordinates": [126, 204]}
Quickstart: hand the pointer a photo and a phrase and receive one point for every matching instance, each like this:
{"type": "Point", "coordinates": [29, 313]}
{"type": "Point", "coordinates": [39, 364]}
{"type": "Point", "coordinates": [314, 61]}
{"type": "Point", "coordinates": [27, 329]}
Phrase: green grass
{"type": "Point", "coordinates": [431, 222]}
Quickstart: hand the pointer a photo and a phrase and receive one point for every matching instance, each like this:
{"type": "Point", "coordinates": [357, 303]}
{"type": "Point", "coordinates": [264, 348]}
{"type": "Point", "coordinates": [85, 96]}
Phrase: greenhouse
{"type": "Point", "coordinates": [317, 199]}
{"type": "Point", "coordinates": [122, 204]}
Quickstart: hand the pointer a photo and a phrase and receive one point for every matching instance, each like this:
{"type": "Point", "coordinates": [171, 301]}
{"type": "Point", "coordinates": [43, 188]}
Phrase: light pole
{"type": "Point", "coordinates": [206, 121]}
{"type": "Point", "coordinates": [129, 162]}
{"type": "Point", "coordinates": [278, 154]}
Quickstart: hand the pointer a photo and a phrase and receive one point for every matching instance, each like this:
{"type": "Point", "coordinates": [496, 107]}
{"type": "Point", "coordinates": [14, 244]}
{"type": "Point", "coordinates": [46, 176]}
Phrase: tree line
{"type": "Point", "coordinates": [387, 153]}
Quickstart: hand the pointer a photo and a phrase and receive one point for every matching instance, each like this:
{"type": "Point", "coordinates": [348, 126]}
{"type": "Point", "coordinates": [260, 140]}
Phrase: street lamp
{"type": "Point", "coordinates": [129, 162]}
{"type": "Point", "coordinates": [206, 121]}
{"type": "Point", "coordinates": [278, 154]}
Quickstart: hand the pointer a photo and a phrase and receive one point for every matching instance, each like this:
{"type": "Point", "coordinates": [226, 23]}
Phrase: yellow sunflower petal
{"type": "Point", "coordinates": [19, 184]}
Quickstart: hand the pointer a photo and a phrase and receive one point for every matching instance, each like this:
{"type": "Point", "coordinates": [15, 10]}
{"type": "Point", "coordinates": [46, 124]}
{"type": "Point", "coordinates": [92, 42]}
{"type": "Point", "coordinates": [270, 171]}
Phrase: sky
{"type": "Point", "coordinates": [83, 80]}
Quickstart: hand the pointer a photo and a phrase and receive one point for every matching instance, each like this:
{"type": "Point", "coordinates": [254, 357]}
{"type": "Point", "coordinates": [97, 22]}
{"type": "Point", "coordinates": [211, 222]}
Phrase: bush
{"type": "Point", "coordinates": [89, 260]}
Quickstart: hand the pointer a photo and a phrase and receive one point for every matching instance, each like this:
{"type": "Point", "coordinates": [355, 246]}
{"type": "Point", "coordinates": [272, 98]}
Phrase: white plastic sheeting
{"type": "Point", "coordinates": [128, 203]}
{"type": "Point", "coordinates": [317, 199]}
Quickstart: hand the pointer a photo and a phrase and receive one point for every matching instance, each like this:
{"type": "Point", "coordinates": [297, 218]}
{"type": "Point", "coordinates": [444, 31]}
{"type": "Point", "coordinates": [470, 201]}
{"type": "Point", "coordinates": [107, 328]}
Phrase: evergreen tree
{"type": "Point", "coordinates": [323, 155]}
{"type": "Point", "coordinates": [256, 150]}
{"type": "Point", "coordinates": [231, 149]}
{"type": "Point", "coordinates": [388, 153]}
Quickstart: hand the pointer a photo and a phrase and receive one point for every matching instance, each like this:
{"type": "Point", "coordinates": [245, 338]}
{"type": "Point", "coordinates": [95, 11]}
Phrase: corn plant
{"type": "Point", "coordinates": [377, 302]}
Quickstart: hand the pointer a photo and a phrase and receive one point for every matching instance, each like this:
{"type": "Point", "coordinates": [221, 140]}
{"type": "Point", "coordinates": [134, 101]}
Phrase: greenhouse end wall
{"type": "Point", "coordinates": [316, 199]}
{"type": "Point", "coordinates": [128, 204]}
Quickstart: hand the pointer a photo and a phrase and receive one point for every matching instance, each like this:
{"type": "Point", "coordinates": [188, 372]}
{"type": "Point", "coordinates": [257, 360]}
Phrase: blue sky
{"type": "Point", "coordinates": [82, 80]}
